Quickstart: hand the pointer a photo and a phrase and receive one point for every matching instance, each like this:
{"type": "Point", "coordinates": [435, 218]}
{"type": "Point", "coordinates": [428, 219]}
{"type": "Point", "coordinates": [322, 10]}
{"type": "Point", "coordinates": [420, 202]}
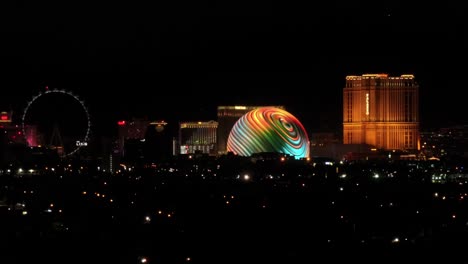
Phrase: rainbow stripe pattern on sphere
{"type": "Point", "coordinates": [268, 129]}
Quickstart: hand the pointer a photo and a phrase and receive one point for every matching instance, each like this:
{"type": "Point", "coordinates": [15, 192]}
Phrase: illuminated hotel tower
{"type": "Point", "coordinates": [381, 111]}
{"type": "Point", "coordinates": [198, 136]}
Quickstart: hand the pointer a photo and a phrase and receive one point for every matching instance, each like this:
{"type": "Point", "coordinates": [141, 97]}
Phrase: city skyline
{"type": "Point", "coordinates": [152, 157]}
{"type": "Point", "coordinates": [325, 117]}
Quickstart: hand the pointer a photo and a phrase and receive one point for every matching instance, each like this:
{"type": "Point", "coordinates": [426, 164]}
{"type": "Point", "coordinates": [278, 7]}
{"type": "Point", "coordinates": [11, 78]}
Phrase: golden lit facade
{"type": "Point", "coordinates": [381, 111]}
{"type": "Point", "coordinates": [198, 137]}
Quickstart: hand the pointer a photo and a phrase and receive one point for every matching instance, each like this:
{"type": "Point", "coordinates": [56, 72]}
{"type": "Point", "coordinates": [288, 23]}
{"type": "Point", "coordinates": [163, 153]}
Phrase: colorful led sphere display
{"type": "Point", "coordinates": [269, 129]}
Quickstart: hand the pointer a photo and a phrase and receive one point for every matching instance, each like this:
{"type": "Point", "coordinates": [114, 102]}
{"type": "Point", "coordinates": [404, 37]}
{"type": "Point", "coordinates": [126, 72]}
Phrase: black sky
{"type": "Point", "coordinates": [161, 59]}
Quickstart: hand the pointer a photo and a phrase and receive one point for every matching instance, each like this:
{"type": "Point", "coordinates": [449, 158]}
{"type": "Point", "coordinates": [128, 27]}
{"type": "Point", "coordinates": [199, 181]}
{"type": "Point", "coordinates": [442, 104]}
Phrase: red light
{"type": "Point", "coordinates": [121, 123]}
{"type": "Point", "coordinates": [4, 117]}
{"type": "Point", "coordinates": [19, 132]}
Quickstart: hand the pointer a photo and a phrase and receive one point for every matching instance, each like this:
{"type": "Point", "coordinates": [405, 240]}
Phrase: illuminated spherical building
{"type": "Point", "coordinates": [268, 129]}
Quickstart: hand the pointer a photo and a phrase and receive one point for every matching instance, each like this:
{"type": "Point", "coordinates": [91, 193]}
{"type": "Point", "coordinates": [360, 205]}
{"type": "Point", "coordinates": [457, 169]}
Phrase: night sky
{"type": "Point", "coordinates": [161, 59]}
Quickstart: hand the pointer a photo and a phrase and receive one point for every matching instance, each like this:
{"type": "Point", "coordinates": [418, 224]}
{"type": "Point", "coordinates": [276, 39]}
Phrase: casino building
{"type": "Point", "coordinates": [198, 137]}
{"type": "Point", "coordinates": [381, 111]}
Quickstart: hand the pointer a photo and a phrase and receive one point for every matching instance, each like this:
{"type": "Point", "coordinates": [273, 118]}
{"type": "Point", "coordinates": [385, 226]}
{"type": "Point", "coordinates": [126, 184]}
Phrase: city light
{"type": "Point", "coordinates": [234, 132]}
{"type": "Point", "coordinates": [268, 129]}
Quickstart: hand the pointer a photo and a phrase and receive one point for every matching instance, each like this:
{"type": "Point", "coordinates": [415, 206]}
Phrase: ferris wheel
{"type": "Point", "coordinates": [53, 106]}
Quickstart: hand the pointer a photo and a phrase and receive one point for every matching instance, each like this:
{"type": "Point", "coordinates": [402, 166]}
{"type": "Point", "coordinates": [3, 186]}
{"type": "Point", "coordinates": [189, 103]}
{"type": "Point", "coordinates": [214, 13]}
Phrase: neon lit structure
{"type": "Point", "coordinates": [268, 129]}
{"type": "Point", "coordinates": [83, 139]}
{"type": "Point", "coordinates": [227, 117]}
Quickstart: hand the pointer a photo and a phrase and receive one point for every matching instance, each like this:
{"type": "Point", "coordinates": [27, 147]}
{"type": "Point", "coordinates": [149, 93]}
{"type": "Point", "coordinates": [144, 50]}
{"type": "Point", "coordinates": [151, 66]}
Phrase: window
{"type": "Point", "coordinates": [408, 106]}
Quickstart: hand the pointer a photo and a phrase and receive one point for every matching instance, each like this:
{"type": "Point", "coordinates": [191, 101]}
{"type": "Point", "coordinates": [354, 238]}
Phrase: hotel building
{"type": "Point", "coordinates": [381, 111]}
{"type": "Point", "coordinates": [198, 136]}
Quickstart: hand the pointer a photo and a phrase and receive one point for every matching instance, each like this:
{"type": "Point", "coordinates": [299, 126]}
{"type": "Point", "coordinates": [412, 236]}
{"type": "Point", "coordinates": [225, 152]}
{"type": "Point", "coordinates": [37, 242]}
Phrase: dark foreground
{"type": "Point", "coordinates": [157, 218]}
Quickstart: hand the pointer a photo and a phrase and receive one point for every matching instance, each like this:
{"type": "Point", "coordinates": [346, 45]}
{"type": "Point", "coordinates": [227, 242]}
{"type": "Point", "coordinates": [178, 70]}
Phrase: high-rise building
{"type": "Point", "coordinates": [198, 137]}
{"type": "Point", "coordinates": [158, 141]}
{"type": "Point", "coordinates": [142, 141]}
{"type": "Point", "coordinates": [131, 130]}
{"type": "Point", "coordinates": [227, 117]}
{"type": "Point", "coordinates": [32, 136]}
{"type": "Point", "coordinates": [13, 133]}
{"type": "Point", "coordinates": [381, 111]}
{"type": "Point", "coordinates": [5, 117]}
